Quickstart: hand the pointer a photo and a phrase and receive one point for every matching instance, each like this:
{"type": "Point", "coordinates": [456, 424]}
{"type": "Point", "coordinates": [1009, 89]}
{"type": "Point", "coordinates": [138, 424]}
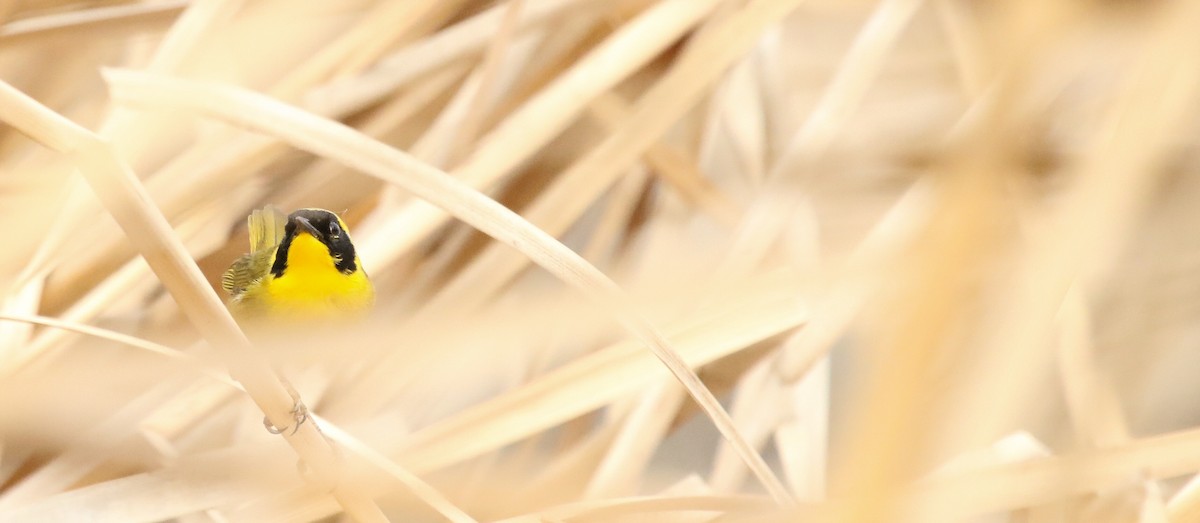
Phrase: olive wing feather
{"type": "Point", "coordinates": [247, 271]}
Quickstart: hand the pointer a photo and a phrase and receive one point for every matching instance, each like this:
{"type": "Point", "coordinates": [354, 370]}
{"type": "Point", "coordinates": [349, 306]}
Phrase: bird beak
{"type": "Point", "coordinates": [304, 224]}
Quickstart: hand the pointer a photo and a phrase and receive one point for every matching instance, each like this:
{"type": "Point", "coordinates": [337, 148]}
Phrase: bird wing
{"type": "Point", "coordinates": [247, 270]}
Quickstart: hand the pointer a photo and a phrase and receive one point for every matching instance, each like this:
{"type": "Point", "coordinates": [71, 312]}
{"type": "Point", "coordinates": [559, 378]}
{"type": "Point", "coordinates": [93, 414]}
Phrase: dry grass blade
{"type": "Point", "coordinates": [547, 114]}
{"type": "Point", "coordinates": [1010, 486]}
{"type": "Point", "coordinates": [398, 18]}
{"type": "Point", "coordinates": [963, 41]}
{"type": "Point", "coordinates": [614, 509]}
{"type": "Point", "coordinates": [763, 311]}
{"type": "Point", "coordinates": [1039, 481]}
{"type": "Point", "coordinates": [72, 23]}
{"type": "Point", "coordinates": [125, 278]}
{"type": "Point", "coordinates": [489, 70]}
{"type": "Point", "coordinates": [70, 466]}
{"type": "Point", "coordinates": [1138, 129]}
{"type": "Point", "coordinates": [38, 122]}
{"type": "Point", "coordinates": [675, 168]}
{"type": "Point", "coordinates": [202, 482]}
{"type": "Point", "coordinates": [756, 408]}
{"type": "Point", "coordinates": [125, 339]}
{"type": "Point", "coordinates": [412, 483]}
{"type": "Point", "coordinates": [409, 63]}
{"type": "Point", "coordinates": [852, 79]}
{"type": "Point", "coordinates": [635, 442]}
{"type": "Point", "coordinates": [1095, 413]}
{"type": "Point", "coordinates": [1183, 505]}
{"type": "Point", "coordinates": [655, 112]}
{"type": "Point", "coordinates": [198, 19]}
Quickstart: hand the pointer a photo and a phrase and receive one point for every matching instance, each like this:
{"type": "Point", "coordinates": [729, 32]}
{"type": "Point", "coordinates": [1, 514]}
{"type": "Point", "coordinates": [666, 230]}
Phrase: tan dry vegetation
{"type": "Point", "coordinates": [637, 260]}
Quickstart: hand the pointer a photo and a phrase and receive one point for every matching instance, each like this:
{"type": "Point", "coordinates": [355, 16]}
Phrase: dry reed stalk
{"type": "Point", "coordinates": [802, 440]}
{"type": "Point", "coordinates": [612, 510]}
{"type": "Point", "coordinates": [1154, 508]}
{"type": "Point", "coordinates": [618, 210]}
{"type": "Point", "coordinates": [1095, 413]}
{"type": "Point", "coordinates": [899, 389]}
{"type": "Point", "coordinates": [184, 35]}
{"type": "Point", "coordinates": [574, 465]}
{"type": "Point", "coordinates": [132, 277]}
{"type": "Point", "coordinates": [833, 311]}
{"type": "Point", "coordinates": [319, 177]}
{"type": "Point", "coordinates": [544, 116]}
{"type": "Point", "coordinates": [755, 408]}
{"type": "Point", "coordinates": [89, 22]}
{"type": "Point", "coordinates": [125, 198]}
{"type": "Point", "coordinates": [1008, 486]}
{"type": "Point", "coordinates": [1111, 182]}
{"type": "Point", "coordinates": [674, 167]}
{"type": "Point", "coordinates": [96, 332]}
{"type": "Point", "coordinates": [601, 377]}
{"type": "Point", "coordinates": [435, 186]}
{"type": "Point", "coordinates": [849, 84]}
{"type": "Point", "coordinates": [572, 192]}
{"type": "Point", "coordinates": [964, 42]}
{"type": "Point", "coordinates": [44, 345]}
{"type": "Point", "coordinates": [1182, 506]}
{"type": "Point", "coordinates": [206, 480]}
{"type": "Point", "coordinates": [1042, 481]}
{"type": "Point", "coordinates": [69, 466]}
{"type": "Point", "coordinates": [489, 70]}
{"type": "Point", "coordinates": [640, 433]}
{"type": "Point", "coordinates": [739, 106]}
{"type": "Point", "coordinates": [120, 125]}
{"type": "Point", "coordinates": [410, 482]}
{"type": "Point", "coordinates": [440, 149]}
{"type": "Point", "coordinates": [374, 32]}
{"type": "Point", "coordinates": [437, 144]}
{"type": "Point", "coordinates": [407, 64]}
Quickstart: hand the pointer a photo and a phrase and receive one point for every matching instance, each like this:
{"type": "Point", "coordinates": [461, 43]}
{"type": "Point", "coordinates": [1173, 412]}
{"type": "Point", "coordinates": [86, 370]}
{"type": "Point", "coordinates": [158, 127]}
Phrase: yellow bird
{"type": "Point", "coordinates": [300, 266]}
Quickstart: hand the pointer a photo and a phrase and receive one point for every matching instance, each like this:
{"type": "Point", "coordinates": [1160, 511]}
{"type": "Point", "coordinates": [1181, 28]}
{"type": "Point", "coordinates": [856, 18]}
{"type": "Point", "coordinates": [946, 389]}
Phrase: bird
{"type": "Point", "coordinates": [300, 267]}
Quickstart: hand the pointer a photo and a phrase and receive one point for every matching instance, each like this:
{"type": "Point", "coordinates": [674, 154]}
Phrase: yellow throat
{"type": "Point", "coordinates": [313, 285]}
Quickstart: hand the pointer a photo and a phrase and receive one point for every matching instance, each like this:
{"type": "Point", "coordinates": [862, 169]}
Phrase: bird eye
{"type": "Point", "coordinates": [334, 229]}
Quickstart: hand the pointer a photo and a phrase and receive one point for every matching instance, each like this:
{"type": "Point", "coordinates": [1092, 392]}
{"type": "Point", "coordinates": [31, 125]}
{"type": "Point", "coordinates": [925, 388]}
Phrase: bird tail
{"type": "Point", "coordinates": [266, 227]}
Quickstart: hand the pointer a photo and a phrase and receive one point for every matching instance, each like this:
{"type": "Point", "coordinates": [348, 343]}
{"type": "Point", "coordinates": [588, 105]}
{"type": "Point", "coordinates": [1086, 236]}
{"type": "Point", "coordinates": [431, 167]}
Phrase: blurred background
{"type": "Point", "coordinates": [936, 259]}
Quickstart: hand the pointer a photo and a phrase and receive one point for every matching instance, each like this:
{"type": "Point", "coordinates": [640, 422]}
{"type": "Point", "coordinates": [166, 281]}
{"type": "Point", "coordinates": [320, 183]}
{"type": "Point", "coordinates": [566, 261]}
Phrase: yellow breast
{"type": "Point", "coordinates": [310, 287]}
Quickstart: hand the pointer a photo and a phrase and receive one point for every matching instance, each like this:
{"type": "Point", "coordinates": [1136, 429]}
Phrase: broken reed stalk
{"type": "Point", "coordinates": [125, 198]}
{"type": "Point", "coordinates": [346, 145]}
